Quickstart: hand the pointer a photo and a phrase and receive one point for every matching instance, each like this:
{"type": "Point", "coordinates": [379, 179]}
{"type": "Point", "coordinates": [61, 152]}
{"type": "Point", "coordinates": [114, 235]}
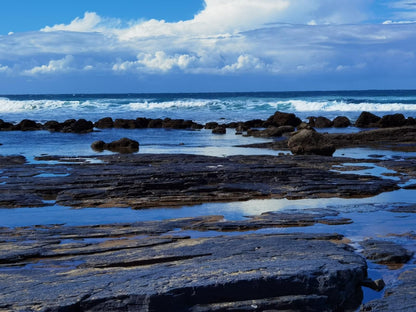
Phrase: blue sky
{"type": "Point", "coordinates": [206, 46]}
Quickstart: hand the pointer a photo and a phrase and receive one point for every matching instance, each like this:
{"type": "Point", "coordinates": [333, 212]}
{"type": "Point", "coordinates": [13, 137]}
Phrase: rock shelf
{"type": "Point", "coordinates": [145, 180]}
{"type": "Point", "coordinates": [142, 267]}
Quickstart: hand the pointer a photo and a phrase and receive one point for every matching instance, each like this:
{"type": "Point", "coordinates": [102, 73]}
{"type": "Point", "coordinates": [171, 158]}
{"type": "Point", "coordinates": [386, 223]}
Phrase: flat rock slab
{"type": "Point", "coordinates": [126, 270]}
{"type": "Point", "coordinates": [385, 252]}
{"type": "Point", "coordinates": [399, 298]}
{"type": "Point", "coordinates": [148, 180]}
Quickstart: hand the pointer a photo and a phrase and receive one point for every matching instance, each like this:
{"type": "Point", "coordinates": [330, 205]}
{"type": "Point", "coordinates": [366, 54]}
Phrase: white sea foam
{"type": "Point", "coordinates": [14, 106]}
{"type": "Point", "coordinates": [170, 104]}
{"type": "Point", "coordinates": [341, 106]}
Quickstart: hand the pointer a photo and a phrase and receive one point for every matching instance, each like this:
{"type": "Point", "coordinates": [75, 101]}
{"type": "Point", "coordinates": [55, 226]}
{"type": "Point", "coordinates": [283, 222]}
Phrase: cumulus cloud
{"type": "Point", "coordinates": [54, 66]}
{"type": "Point", "coordinates": [245, 63]}
{"type": "Point", "coordinates": [157, 62]}
{"type": "Point", "coordinates": [88, 23]}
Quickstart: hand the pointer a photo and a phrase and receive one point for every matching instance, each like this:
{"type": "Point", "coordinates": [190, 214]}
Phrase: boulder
{"type": "Point", "coordinates": [155, 123]}
{"type": "Point", "coordinates": [211, 125]}
{"type": "Point", "coordinates": [367, 120]}
{"type": "Point", "coordinates": [310, 142]}
{"type": "Point", "coordinates": [142, 122]}
{"type": "Point", "coordinates": [27, 125]}
{"type": "Point", "coordinates": [389, 121]}
{"type": "Point", "coordinates": [77, 126]}
{"type": "Point", "coordinates": [282, 119]}
{"type": "Point", "coordinates": [122, 146]}
{"type": "Point", "coordinates": [53, 126]}
{"type": "Point", "coordinates": [104, 123]}
{"type": "Point", "coordinates": [5, 126]}
{"type": "Point", "coordinates": [320, 122]}
{"type": "Point", "coordinates": [341, 122]}
{"type": "Point", "coordinates": [125, 123]}
{"type": "Point", "coordinates": [219, 130]}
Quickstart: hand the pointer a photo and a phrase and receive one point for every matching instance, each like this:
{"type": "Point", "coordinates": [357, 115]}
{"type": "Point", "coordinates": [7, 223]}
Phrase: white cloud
{"type": "Point", "coordinates": [4, 69]}
{"type": "Point", "coordinates": [245, 63]}
{"type": "Point", "coordinates": [157, 62]}
{"type": "Point", "coordinates": [88, 23]}
{"type": "Point", "coordinates": [54, 66]}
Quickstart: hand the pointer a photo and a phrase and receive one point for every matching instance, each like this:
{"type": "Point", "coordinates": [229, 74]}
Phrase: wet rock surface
{"type": "Point", "coordinates": [399, 138]}
{"type": "Point", "coordinates": [400, 297]}
{"type": "Point", "coordinates": [385, 252]}
{"type": "Point", "coordinates": [150, 180]}
{"type": "Point", "coordinates": [310, 142]}
{"type": "Point", "coordinates": [143, 267]}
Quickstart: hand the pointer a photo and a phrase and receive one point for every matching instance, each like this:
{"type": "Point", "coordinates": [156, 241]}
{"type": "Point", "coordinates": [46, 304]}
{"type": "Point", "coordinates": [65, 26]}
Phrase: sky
{"type": "Point", "coordinates": [95, 46]}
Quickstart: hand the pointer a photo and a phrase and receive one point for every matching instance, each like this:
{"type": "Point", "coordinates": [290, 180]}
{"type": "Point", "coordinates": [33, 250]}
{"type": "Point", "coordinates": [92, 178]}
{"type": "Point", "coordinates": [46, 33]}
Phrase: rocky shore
{"type": "Point", "coordinates": [162, 266]}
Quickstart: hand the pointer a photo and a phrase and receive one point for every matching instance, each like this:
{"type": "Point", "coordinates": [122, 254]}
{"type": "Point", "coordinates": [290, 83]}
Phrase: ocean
{"type": "Point", "coordinates": [204, 107]}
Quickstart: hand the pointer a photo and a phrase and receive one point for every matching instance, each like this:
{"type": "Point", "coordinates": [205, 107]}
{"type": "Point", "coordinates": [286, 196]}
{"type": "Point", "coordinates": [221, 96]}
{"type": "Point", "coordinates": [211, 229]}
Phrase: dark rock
{"type": "Point", "coordinates": [175, 273]}
{"type": "Point", "coordinates": [377, 285]}
{"type": "Point", "coordinates": [143, 180]}
{"type": "Point", "coordinates": [411, 121]}
{"type": "Point", "coordinates": [142, 122]}
{"type": "Point", "coordinates": [402, 137]}
{"type": "Point", "coordinates": [320, 122]}
{"type": "Point", "coordinates": [304, 125]}
{"type": "Point", "coordinates": [211, 125]}
{"type": "Point", "coordinates": [125, 123]}
{"type": "Point", "coordinates": [78, 126]}
{"type": "Point", "coordinates": [310, 142]}
{"type": "Point", "coordinates": [53, 126]}
{"type": "Point", "coordinates": [219, 130]}
{"type": "Point", "coordinates": [341, 122]}
{"type": "Point", "coordinates": [179, 124]}
{"type": "Point", "coordinates": [400, 297]}
{"type": "Point", "coordinates": [367, 120]}
{"type": "Point", "coordinates": [98, 146]}
{"type": "Point", "coordinates": [123, 146]}
{"type": "Point", "coordinates": [27, 125]}
{"type": "Point", "coordinates": [396, 120]}
{"type": "Point", "coordinates": [385, 252]}
{"type": "Point", "coordinates": [282, 119]}
{"type": "Point", "coordinates": [104, 123]}
{"type": "Point", "coordinates": [254, 123]}
{"type": "Point", "coordinates": [5, 126]}
{"type": "Point", "coordinates": [272, 132]}
{"type": "Point", "coordinates": [155, 123]}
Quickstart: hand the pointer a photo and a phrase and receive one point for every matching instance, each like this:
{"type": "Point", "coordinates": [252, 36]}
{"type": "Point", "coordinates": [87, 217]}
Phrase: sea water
{"type": "Point", "coordinates": [204, 107]}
